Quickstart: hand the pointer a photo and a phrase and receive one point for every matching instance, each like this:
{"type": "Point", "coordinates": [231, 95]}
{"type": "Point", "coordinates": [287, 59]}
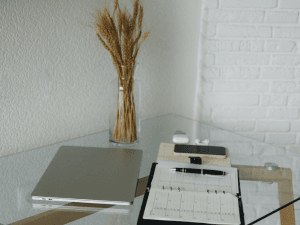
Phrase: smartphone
{"type": "Point", "coordinates": [214, 151]}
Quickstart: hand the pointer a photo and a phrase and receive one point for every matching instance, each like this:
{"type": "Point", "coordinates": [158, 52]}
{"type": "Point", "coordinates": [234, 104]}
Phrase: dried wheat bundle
{"type": "Point", "coordinates": [120, 35]}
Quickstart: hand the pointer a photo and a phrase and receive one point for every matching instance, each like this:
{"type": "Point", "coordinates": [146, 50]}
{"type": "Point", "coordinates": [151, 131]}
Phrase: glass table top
{"type": "Point", "coordinates": [262, 190]}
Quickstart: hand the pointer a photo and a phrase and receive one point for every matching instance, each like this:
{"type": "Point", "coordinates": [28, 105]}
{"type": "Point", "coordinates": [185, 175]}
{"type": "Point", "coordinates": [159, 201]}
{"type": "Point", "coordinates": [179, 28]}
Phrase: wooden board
{"type": "Point", "coordinates": [284, 179]}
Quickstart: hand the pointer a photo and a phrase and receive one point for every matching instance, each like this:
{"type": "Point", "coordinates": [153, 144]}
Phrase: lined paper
{"type": "Point", "coordinates": [164, 178]}
{"type": "Point", "coordinates": [177, 196]}
{"type": "Point", "coordinates": [192, 207]}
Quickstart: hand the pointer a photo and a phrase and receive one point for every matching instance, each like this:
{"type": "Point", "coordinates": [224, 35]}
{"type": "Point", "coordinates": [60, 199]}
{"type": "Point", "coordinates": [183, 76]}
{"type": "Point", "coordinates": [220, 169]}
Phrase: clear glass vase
{"type": "Point", "coordinates": [125, 101]}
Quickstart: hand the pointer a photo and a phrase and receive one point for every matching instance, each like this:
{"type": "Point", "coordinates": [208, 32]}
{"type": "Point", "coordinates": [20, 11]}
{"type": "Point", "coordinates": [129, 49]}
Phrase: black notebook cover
{"type": "Point", "coordinates": [142, 221]}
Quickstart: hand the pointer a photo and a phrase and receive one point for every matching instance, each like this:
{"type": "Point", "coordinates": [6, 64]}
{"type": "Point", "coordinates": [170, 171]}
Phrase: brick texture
{"type": "Point", "coordinates": [225, 30]}
{"type": "Point", "coordinates": [284, 59]}
{"type": "Point", "coordinates": [231, 73]}
{"type": "Point", "coordinates": [241, 86]}
{"type": "Point", "coordinates": [251, 77]}
{"type": "Point", "coordinates": [285, 87]}
{"type": "Point", "coordinates": [223, 16]}
{"type": "Point", "coordinates": [289, 4]}
{"type": "Point", "coordinates": [273, 126]}
{"type": "Point", "coordinates": [283, 113]}
{"type": "Point", "coordinates": [294, 100]}
{"type": "Point", "coordinates": [280, 46]}
{"type": "Point", "coordinates": [238, 46]}
{"type": "Point", "coordinates": [241, 59]}
{"type": "Point", "coordinates": [286, 32]}
{"type": "Point", "coordinates": [277, 73]}
{"type": "Point", "coordinates": [251, 86]}
{"type": "Point", "coordinates": [281, 17]}
{"type": "Point", "coordinates": [230, 99]}
{"type": "Point", "coordinates": [248, 4]}
{"type": "Point", "coordinates": [282, 139]}
{"type": "Point", "coordinates": [238, 112]}
{"type": "Point", "coordinates": [274, 100]}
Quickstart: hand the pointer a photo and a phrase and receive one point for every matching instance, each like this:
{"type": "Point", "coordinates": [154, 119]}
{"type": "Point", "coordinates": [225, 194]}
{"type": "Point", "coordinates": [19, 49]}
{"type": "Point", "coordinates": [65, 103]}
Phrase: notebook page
{"type": "Point", "coordinates": [210, 208]}
{"type": "Point", "coordinates": [228, 170]}
{"type": "Point", "coordinates": [165, 179]}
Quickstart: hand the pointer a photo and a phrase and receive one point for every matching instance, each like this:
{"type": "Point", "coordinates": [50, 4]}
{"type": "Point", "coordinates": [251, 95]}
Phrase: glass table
{"type": "Point", "coordinates": [263, 189]}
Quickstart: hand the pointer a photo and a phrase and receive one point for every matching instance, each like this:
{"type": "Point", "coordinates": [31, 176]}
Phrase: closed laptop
{"type": "Point", "coordinates": [91, 175]}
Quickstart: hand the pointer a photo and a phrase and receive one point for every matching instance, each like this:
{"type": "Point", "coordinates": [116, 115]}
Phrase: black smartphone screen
{"type": "Point", "coordinates": [199, 149]}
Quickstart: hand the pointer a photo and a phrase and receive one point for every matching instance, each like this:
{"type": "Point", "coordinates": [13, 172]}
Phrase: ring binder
{"type": "Point", "coordinates": [163, 209]}
{"type": "Point", "coordinates": [222, 192]}
{"type": "Point", "coordinates": [163, 188]}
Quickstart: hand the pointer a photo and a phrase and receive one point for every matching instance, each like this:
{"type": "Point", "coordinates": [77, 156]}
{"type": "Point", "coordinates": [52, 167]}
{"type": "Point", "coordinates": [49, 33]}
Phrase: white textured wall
{"type": "Point", "coordinates": [54, 72]}
{"type": "Point", "coordinates": [250, 73]}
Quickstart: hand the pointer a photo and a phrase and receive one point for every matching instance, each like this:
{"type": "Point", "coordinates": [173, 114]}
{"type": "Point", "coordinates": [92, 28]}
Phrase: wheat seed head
{"type": "Point", "coordinates": [116, 4]}
{"type": "Point", "coordinates": [120, 36]}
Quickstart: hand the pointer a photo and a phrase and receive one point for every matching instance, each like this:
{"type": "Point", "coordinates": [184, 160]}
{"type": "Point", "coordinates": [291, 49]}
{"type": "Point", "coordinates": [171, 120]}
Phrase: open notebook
{"type": "Point", "coordinates": [176, 196]}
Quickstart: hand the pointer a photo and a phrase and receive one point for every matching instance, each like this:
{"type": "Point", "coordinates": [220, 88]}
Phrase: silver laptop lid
{"type": "Point", "coordinates": [89, 174]}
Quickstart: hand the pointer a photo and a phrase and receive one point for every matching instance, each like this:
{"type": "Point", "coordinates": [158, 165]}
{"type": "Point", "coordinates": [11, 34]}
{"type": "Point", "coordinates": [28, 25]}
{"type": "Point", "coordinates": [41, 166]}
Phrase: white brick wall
{"type": "Point", "coordinates": [248, 4]}
{"type": "Point", "coordinates": [250, 69]}
{"type": "Point", "coordinates": [251, 85]}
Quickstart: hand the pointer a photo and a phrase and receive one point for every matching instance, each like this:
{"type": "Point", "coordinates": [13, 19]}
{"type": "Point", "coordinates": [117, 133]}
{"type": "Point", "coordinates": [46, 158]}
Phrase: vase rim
{"type": "Point", "coordinates": [137, 62]}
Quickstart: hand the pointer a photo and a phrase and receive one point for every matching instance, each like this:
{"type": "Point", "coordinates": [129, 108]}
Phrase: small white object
{"type": "Point", "coordinates": [271, 166]}
{"type": "Point", "coordinates": [205, 142]}
{"type": "Point", "coordinates": [180, 139]}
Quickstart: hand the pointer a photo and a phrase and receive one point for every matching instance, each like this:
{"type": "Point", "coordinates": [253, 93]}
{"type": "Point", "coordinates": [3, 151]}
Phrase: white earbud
{"type": "Point", "coordinates": [181, 139]}
{"type": "Point", "coordinates": [205, 142]}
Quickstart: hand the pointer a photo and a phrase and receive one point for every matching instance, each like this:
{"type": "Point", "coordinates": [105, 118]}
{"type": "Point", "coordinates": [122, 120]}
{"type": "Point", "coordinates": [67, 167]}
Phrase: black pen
{"type": "Point", "coordinates": [200, 171]}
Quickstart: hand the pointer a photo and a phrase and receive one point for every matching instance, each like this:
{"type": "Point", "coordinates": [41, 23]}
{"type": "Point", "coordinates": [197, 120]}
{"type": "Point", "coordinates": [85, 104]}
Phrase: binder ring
{"type": "Point", "coordinates": [171, 188]}
{"type": "Point", "coordinates": [216, 191]}
{"type": "Point", "coordinates": [179, 189]}
{"type": "Point", "coordinates": [207, 191]}
{"type": "Point", "coordinates": [224, 192]}
{"type": "Point", "coordinates": [163, 187]}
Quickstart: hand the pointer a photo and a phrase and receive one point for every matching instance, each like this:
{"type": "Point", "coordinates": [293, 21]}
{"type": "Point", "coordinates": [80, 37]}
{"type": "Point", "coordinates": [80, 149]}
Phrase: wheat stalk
{"type": "Point", "coordinates": [120, 37]}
